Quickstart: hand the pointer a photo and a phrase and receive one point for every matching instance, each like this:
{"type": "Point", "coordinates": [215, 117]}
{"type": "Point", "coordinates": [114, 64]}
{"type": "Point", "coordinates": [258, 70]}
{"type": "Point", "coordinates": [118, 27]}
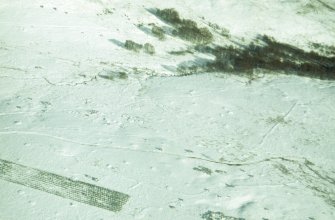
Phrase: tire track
{"type": "Point", "coordinates": [62, 186]}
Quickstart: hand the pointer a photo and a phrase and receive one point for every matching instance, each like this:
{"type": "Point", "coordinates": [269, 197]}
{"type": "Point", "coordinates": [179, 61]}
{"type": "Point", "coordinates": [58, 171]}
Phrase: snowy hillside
{"type": "Point", "coordinates": [109, 110]}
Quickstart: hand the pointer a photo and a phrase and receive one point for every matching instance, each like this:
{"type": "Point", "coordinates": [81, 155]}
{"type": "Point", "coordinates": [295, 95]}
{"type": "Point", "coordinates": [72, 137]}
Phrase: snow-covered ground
{"type": "Point", "coordinates": [205, 146]}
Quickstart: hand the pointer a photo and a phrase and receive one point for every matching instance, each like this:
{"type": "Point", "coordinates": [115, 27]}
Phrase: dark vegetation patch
{"type": "Point", "coordinates": [147, 47]}
{"type": "Point", "coordinates": [158, 32]}
{"type": "Point", "coordinates": [111, 75]}
{"type": "Point", "coordinates": [131, 45]}
{"type": "Point", "coordinates": [203, 169]}
{"type": "Point", "coordinates": [268, 54]}
{"type": "Point", "coordinates": [169, 15]}
{"type": "Point", "coordinates": [210, 215]}
{"type": "Point", "coordinates": [273, 55]}
{"type": "Point", "coordinates": [192, 33]}
{"type": "Point", "coordinates": [185, 70]}
{"type": "Point", "coordinates": [181, 52]}
{"type": "Point", "coordinates": [185, 28]}
{"type": "Point", "coordinates": [92, 178]}
{"type": "Point", "coordinates": [264, 53]}
{"type": "Point", "coordinates": [107, 11]}
{"type": "Point", "coordinates": [123, 75]}
{"type": "Point", "coordinates": [324, 49]}
{"type": "Point", "coordinates": [153, 30]}
{"type": "Point", "coordinates": [222, 31]}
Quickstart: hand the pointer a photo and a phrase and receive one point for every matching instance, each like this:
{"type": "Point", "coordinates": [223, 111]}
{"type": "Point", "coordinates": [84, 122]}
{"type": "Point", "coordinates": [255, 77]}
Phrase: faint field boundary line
{"type": "Point", "coordinates": [62, 186]}
{"type": "Point", "coordinates": [170, 154]}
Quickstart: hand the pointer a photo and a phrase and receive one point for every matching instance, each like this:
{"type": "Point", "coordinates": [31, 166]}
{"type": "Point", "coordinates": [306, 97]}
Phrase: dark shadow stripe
{"type": "Point", "coordinates": [62, 186]}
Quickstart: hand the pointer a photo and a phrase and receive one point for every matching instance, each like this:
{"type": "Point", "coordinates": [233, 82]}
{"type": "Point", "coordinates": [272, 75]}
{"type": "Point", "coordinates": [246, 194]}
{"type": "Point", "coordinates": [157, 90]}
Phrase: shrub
{"type": "Point", "coordinates": [131, 45]}
{"type": "Point", "coordinates": [189, 23]}
{"type": "Point", "coordinates": [123, 75]}
{"type": "Point", "coordinates": [158, 32]}
{"type": "Point", "coordinates": [185, 28]}
{"type": "Point", "coordinates": [194, 34]}
{"type": "Point", "coordinates": [149, 48]}
{"type": "Point", "coordinates": [222, 31]}
{"type": "Point", "coordinates": [169, 15]}
{"type": "Point", "coordinates": [107, 11]}
{"type": "Point", "coordinates": [225, 33]}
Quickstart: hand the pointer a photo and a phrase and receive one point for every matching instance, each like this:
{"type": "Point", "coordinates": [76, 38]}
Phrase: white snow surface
{"type": "Point", "coordinates": [178, 146]}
